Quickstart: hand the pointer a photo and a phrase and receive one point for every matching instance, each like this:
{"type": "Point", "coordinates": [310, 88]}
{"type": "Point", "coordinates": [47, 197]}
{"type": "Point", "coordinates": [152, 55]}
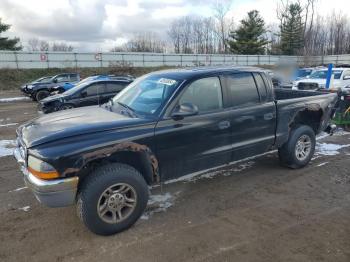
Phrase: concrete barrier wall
{"type": "Point", "coordinates": [23, 60]}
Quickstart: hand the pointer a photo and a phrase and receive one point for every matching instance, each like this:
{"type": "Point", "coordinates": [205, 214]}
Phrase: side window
{"type": "Point", "coordinates": [261, 87]}
{"type": "Point", "coordinates": [205, 93]}
{"type": "Point", "coordinates": [62, 78]}
{"type": "Point", "coordinates": [242, 89]}
{"type": "Point", "coordinates": [346, 75]}
{"type": "Point", "coordinates": [115, 87]}
{"type": "Point", "coordinates": [95, 89]}
{"type": "Point", "coordinates": [73, 77]}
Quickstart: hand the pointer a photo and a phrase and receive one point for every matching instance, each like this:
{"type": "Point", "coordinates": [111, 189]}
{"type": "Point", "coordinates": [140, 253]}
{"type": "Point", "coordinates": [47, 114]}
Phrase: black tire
{"type": "Point", "coordinates": [66, 106]}
{"type": "Point", "coordinates": [40, 95]}
{"type": "Point", "coordinates": [347, 127]}
{"type": "Point", "coordinates": [96, 184]}
{"type": "Point", "coordinates": [288, 153]}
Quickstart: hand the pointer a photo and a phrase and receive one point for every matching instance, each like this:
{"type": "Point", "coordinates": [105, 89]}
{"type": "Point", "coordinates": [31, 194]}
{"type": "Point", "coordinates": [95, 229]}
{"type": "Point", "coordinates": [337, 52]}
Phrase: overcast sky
{"type": "Point", "coordinates": [98, 25]}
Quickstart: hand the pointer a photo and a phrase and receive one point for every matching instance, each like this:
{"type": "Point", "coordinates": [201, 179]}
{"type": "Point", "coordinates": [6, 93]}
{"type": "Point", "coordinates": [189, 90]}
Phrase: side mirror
{"type": "Point", "coordinates": [55, 80]}
{"type": "Point", "coordinates": [346, 78]}
{"type": "Point", "coordinates": [83, 94]}
{"type": "Point", "coordinates": [185, 109]}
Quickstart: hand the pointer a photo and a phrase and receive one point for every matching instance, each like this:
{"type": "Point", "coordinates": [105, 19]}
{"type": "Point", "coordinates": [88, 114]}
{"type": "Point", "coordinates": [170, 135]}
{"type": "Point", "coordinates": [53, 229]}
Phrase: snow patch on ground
{"type": "Point", "coordinates": [322, 135]}
{"type": "Point", "coordinates": [9, 124]}
{"type": "Point", "coordinates": [6, 147]}
{"type": "Point", "coordinates": [328, 149]}
{"type": "Point", "coordinates": [158, 203]}
{"type": "Point", "coordinates": [322, 164]}
{"type": "Point", "coordinates": [18, 189]}
{"type": "Point", "coordinates": [13, 99]}
{"type": "Point", "coordinates": [25, 209]}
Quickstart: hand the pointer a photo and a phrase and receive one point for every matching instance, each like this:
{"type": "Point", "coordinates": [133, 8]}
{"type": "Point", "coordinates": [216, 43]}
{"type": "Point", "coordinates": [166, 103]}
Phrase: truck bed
{"type": "Point", "coordinates": [282, 94]}
{"type": "Point", "coordinates": [291, 102]}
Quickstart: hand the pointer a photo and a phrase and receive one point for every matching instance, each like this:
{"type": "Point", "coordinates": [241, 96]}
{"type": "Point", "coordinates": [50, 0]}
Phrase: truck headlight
{"type": "Point", "coordinates": [41, 169]}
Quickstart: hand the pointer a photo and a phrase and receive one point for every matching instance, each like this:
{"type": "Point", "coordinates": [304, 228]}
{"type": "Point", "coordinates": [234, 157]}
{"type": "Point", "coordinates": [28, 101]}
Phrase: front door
{"type": "Point", "coordinates": [196, 142]}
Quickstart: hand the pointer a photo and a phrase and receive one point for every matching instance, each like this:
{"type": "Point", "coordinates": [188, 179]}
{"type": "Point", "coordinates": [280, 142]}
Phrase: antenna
{"type": "Point", "coordinates": [98, 95]}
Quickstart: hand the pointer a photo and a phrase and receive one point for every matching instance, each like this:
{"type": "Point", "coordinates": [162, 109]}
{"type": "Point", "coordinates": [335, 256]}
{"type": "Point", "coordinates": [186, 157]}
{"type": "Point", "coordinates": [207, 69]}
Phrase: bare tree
{"type": "Point", "coordinates": [142, 42]}
{"type": "Point", "coordinates": [44, 45]}
{"type": "Point", "coordinates": [224, 26]}
{"type": "Point", "coordinates": [33, 44]}
{"type": "Point", "coordinates": [64, 47]}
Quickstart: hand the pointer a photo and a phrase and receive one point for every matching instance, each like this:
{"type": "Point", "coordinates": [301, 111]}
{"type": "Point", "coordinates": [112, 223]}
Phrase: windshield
{"type": "Point", "coordinates": [322, 74]}
{"type": "Point", "coordinates": [43, 79]}
{"type": "Point", "coordinates": [304, 72]}
{"type": "Point", "coordinates": [147, 94]}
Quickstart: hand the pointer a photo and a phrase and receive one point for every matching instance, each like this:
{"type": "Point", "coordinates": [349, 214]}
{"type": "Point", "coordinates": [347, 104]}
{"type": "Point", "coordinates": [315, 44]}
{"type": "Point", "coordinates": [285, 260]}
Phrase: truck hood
{"type": "Point", "coordinates": [79, 121]}
{"type": "Point", "coordinates": [320, 82]}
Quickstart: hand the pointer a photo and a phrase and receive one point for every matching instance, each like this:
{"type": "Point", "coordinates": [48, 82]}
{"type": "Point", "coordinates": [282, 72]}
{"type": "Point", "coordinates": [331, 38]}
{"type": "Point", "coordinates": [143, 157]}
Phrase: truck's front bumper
{"type": "Point", "coordinates": [52, 193]}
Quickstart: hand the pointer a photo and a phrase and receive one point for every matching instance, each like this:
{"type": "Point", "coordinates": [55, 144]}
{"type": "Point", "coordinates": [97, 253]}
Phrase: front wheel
{"type": "Point", "coordinates": [112, 199]}
{"type": "Point", "coordinates": [299, 149]}
{"type": "Point", "coordinates": [40, 95]}
{"type": "Point", "coordinates": [66, 106]}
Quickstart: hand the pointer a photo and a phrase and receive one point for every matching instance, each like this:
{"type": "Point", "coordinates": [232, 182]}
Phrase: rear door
{"type": "Point", "coordinates": [253, 114]}
{"type": "Point", "coordinates": [195, 142]}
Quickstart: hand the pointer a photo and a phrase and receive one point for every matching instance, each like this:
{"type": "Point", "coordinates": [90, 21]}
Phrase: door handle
{"type": "Point", "coordinates": [224, 124]}
{"type": "Point", "coordinates": [268, 116]}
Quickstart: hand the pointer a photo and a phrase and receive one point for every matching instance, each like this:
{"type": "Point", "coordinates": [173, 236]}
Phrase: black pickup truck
{"type": "Point", "coordinates": [162, 126]}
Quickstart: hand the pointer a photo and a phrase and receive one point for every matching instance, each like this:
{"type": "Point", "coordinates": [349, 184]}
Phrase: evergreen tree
{"type": "Point", "coordinates": [248, 39]}
{"type": "Point", "coordinates": [292, 26]}
{"type": "Point", "coordinates": [7, 43]}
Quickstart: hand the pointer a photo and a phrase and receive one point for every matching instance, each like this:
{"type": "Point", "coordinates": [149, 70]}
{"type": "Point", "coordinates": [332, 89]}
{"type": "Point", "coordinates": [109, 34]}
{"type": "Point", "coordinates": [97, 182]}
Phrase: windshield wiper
{"type": "Point", "coordinates": [130, 110]}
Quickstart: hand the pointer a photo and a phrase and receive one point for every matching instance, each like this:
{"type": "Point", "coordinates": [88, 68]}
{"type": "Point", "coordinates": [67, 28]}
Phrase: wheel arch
{"type": "Point", "coordinates": [138, 156]}
{"type": "Point", "coordinates": [311, 116]}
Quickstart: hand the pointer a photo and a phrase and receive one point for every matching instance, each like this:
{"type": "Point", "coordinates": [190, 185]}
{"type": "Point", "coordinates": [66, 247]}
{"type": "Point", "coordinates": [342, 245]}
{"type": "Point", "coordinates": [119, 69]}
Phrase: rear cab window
{"type": "Point", "coordinates": [242, 89]}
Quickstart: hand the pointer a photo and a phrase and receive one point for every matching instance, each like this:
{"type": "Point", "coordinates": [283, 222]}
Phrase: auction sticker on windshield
{"type": "Point", "coordinates": [166, 81]}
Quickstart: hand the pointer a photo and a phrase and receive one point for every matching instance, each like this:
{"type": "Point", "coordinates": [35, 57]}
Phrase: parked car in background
{"type": "Point", "coordinates": [38, 90]}
{"type": "Point", "coordinates": [66, 86]}
{"type": "Point", "coordinates": [87, 93]}
{"type": "Point", "coordinates": [317, 80]}
{"type": "Point", "coordinates": [297, 74]}
{"type": "Point", "coordinates": [303, 73]}
{"type": "Point", "coordinates": [164, 125]}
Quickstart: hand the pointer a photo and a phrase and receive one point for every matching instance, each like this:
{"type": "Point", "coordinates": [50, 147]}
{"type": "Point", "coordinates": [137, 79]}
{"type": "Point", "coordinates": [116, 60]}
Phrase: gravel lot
{"type": "Point", "coordinates": [254, 210]}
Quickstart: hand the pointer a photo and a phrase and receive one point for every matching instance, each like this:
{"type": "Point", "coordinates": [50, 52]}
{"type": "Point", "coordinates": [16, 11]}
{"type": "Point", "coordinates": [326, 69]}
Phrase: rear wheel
{"type": "Point", "coordinates": [347, 127]}
{"type": "Point", "coordinates": [40, 95]}
{"type": "Point", "coordinates": [299, 149]}
{"type": "Point", "coordinates": [112, 199]}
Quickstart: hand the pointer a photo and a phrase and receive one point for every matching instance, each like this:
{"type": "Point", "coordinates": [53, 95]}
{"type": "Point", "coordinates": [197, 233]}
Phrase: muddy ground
{"type": "Point", "coordinates": [255, 210]}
